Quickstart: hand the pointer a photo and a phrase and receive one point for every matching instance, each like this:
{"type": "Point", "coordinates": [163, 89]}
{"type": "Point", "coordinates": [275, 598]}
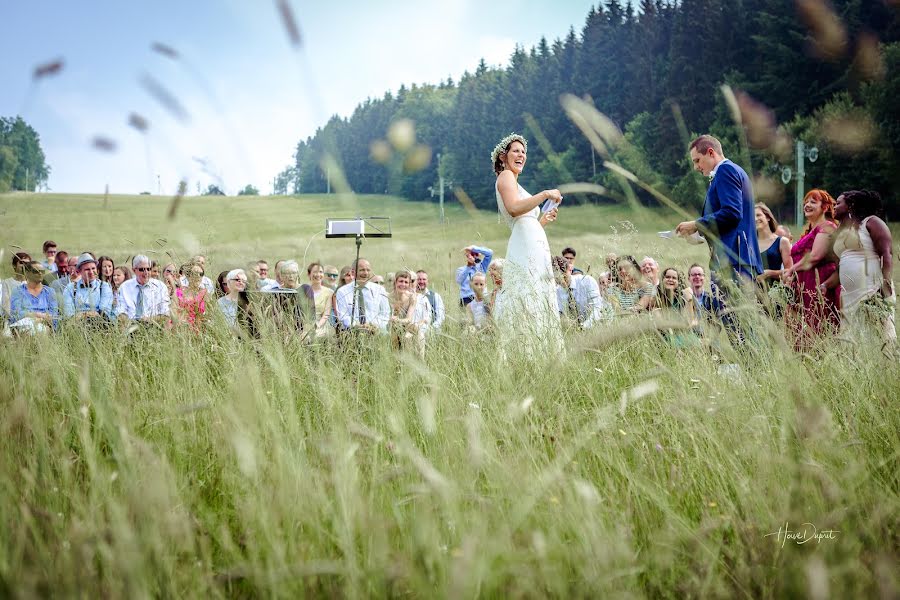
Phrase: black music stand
{"type": "Point", "coordinates": [359, 228]}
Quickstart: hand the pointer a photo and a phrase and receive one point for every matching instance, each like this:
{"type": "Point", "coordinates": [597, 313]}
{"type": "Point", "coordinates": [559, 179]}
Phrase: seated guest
{"type": "Point", "coordinates": [406, 322]}
{"type": "Point", "coordinates": [362, 305]}
{"type": "Point", "coordinates": [435, 303]}
{"type": "Point", "coordinates": [331, 277]}
{"type": "Point", "coordinates": [236, 281]}
{"type": "Point", "coordinates": [575, 273]}
{"type": "Point", "coordinates": [262, 271]}
{"type": "Point", "coordinates": [222, 284]}
{"type": "Point", "coordinates": [88, 299]}
{"type": "Point", "coordinates": [154, 270]}
{"type": "Point", "coordinates": [121, 274]}
{"type": "Point", "coordinates": [205, 281]}
{"type": "Point", "coordinates": [650, 271]}
{"type": "Point", "coordinates": [579, 299]}
{"type": "Point", "coordinates": [33, 306]}
{"type": "Point", "coordinates": [68, 273]}
{"type": "Point", "coordinates": [293, 304]}
{"type": "Point", "coordinates": [611, 261]}
{"type": "Point", "coordinates": [142, 298]}
{"type": "Point", "coordinates": [633, 294]}
{"type": "Point", "coordinates": [171, 278]}
{"type": "Point", "coordinates": [346, 276]}
{"type": "Point", "coordinates": [105, 268]}
{"type": "Point", "coordinates": [496, 273]}
{"type": "Point", "coordinates": [190, 299]}
{"type": "Point", "coordinates": [380, 280]}
{"type": "Point", "coordinates": [708, 307]}
{"type": "Point", "coordinates": [775, 250]}
{"type": "Point", "coordinates": [321, 298]}
{"type": "Point", "coordinates": [477, 261]}
{"type": "Point", "coordinates": [478, 309]}
{"type": "Point", "coordinates": [15, 281]}
{"type": "Point", "coordinates": [604, 282]}
{"type": "Point", "coordinates": [49, 262]}
{"type": "Point", "coordinates": [674, 296]}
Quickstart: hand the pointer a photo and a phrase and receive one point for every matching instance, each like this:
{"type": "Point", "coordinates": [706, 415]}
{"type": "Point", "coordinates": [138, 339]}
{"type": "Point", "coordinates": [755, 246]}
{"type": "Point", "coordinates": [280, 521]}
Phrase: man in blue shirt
{"type": "Point", "coordinates": [477, 261]}
{"type": "Point", "coordinates": [87, 298]}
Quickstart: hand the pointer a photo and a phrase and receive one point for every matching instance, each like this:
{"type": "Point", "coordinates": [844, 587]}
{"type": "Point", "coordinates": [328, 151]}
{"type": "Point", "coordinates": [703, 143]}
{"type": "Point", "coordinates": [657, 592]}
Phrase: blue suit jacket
{"type": "Point", "coordinates": [728, 214]}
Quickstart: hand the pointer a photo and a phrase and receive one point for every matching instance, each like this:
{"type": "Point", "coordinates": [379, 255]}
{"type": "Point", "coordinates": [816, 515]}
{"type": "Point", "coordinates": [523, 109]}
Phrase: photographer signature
{"type": "Point", "coordinates": [806, 533]}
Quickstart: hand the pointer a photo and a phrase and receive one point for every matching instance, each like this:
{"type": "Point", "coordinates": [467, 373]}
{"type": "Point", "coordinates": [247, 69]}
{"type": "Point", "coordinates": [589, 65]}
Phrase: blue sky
{"type": "Point", "coordinates": [249, 94]}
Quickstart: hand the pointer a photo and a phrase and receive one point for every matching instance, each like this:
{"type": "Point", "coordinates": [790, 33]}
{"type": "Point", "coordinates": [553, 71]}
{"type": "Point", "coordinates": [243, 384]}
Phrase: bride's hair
{"type": "Point", "coordinates": [502, 147]}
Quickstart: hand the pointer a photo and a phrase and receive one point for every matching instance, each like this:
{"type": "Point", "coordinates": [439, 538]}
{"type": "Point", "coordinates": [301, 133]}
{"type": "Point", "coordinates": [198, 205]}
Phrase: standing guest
{"type": "Point", "coordinates": [406, 323]}
{"type": "Point", "coordinates": [322, 295]}
{"type": "Point", "coordinates": [650, 270]}
{"type": "Point", "coordinates": [142, 299]}
{"type": "Point", "coordinates": [49, 262]}
{"type": "Point", "coordinates": [262, 271]}
{"type": "Point", "coordinates": [68, 273]}
{"type": "Point", "coordinates": [190, 299]}
{"type": "Point", "coordinates": [331, 277]}
{"type": "Point", "coordinates": [777, 254]}
{"type": "Point", "coordinates": [228, 304]}
{"type": "Point", "coordinates": [785, 232]}
{"type": "Point", "coordinates": [813, 266]}
{"type": "Point", "coordinates": [478, 309]}
{"type": "Point", "coordinates": [89, 299]}
{"type": "Point", "coordinates": [863, 245]}
{"type": "Point", "coordinates": [15, 281]}
{"type": "Point", "coordinates": [478, 260]}
{"type": "Point", "coordinates": [33, 307]}
{"type": "Point", "coordinates": [105, 268]}
{"type": "Point", "coordinates": [727, 220]}
{"type": "Point", "coordinates": [435, 302]}
{"type": "Point", "coordinates": [633, 294]}
{"type": "Point", "coordinates": [222, 284]}
{"type": "Point", "coordinates": [362, 303]}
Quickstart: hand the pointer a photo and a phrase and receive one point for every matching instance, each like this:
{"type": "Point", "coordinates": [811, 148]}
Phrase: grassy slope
{"type": "Point", "coordinates": [199, 466]}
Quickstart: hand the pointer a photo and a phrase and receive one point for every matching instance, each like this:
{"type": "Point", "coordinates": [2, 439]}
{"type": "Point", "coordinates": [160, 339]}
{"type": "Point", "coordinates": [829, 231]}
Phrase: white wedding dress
{"type": "Point", "coordinates": [526, 311]}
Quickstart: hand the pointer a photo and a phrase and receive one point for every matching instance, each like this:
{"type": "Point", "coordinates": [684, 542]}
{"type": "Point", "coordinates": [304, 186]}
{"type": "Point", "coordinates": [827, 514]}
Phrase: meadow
{"type": "Point", "coordinates": [205, 466]}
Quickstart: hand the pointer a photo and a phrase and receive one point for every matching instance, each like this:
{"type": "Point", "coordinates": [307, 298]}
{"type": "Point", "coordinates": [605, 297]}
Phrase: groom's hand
{"type": "Point", "coordinates": [686, 228]}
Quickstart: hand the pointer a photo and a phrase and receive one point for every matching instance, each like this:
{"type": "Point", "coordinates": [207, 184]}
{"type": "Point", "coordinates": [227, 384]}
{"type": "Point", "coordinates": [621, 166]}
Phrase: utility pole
{"type": "Point", "coordinates": [26, 180]}
{"type": "Point", "coordinates": [158, 185]}
{"type": "Point", "coordinates": [441, 186]}
{"type": "Point", "coordinates": [803, 153]}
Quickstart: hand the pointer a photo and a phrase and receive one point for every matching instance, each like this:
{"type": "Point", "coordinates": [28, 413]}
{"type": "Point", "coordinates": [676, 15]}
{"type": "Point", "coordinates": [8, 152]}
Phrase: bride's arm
{"type": "Point", "coordinates": [509, 193]}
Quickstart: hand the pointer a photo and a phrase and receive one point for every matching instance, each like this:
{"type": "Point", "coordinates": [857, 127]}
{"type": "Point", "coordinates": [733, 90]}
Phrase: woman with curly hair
{"type": "Point", "coordinates": [812, 268]}
{"type": "Point", "coordinates": [863, 246]}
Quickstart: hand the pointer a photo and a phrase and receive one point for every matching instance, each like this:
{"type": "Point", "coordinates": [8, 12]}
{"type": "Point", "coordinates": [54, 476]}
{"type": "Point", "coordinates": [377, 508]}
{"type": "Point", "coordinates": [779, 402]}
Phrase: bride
{"type": "Point", "coordinates": [526, 313]}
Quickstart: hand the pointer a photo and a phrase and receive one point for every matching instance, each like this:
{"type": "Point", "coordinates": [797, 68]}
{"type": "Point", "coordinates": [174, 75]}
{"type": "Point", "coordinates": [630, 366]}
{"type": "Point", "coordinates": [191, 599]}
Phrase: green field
{"type": "Point", "coordinates": [201, 466]}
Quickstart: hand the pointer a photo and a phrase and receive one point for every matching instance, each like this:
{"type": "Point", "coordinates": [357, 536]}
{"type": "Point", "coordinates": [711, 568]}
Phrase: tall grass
{"type": "Point", "coordinates": [196, 465]}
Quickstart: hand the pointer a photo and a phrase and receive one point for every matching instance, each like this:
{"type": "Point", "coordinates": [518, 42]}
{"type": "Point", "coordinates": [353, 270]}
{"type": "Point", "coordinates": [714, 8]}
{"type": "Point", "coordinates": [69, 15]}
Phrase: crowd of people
{"type": "Point", "coordinates": [835, 279]}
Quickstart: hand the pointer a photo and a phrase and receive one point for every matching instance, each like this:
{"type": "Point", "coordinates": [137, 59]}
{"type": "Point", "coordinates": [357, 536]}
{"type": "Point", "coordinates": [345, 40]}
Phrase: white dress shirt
{"type": "Point", "coordinates": [592, 307]}
{"type": "Point", "coordinates": [378, 308]}
{"type": "Point", "coordinates": [440, 313]}
{"type": "Point", "coordinates": [156, 298]}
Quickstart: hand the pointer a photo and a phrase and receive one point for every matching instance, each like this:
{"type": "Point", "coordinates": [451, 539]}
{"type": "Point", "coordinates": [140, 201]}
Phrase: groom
{"type": "Point", "coordinates": [727, 222]}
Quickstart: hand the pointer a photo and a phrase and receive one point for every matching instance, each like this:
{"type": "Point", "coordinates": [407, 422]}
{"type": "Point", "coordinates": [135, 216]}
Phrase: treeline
{"type": "Point", "coordinates": [826, 75]}
{"type": "Point", "coordinates": [22, 163]}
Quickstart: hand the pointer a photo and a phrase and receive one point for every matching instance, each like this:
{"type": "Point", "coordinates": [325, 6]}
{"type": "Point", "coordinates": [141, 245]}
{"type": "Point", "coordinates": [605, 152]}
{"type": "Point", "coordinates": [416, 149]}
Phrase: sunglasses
{"type": "Point", "coordinates": [140, 269]}
{"type": "Point", "coordinates": [332, 275]}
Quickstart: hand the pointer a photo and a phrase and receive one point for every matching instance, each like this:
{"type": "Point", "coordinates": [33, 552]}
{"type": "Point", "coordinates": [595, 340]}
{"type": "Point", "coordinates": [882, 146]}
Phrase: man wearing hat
{"type": "Point", "coordinates": [87, 298]}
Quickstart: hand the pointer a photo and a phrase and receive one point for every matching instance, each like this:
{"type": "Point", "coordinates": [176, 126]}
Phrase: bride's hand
{"type": "Point", "coordinates": [549, 216]}
{"type": "Point", "coordinates": [554, 195]}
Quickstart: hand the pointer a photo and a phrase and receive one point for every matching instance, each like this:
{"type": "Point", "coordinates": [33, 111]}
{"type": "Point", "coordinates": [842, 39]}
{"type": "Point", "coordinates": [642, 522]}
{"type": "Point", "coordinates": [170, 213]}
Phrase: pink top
{"type": "Point", "coordinates": [194, 307]}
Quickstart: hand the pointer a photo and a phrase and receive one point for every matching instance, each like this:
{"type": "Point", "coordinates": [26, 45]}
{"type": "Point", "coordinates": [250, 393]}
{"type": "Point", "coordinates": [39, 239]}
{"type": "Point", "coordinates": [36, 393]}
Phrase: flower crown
{"type": "Point", "coordinates": [504, 144]}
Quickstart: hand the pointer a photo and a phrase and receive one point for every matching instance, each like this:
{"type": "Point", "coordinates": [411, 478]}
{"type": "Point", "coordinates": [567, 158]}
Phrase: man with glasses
{"type": "Point", "coordinates": [88, 298]}
{"type": "Point", "coordinates": [142, 298]}
{"type": "Point", "coordinates": [263, 271]}
{"type": "Point", "coordinates": [331, 277]}
{"type": "Point", "coordinates": [49, 261]}
{"type": "Point", "coordinates": [707, 305]}
{"type": "Point", "coordinates": [576, 274]}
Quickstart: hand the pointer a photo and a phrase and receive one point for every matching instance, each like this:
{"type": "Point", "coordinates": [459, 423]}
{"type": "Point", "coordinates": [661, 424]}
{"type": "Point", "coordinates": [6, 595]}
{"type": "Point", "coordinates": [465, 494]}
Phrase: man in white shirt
{"type": "Point", "coordinates": [581, 298]}
{"type": "Point", "coordinates": [142, 298]}
{"type": "Point", "coordinates": [205, 281]}
{"type": "Point", "coordinates": [435, 303]}
{"type": "Point", "coordinates": [263, 271]}
{"type": "Point", "coordinates": [362, 305]}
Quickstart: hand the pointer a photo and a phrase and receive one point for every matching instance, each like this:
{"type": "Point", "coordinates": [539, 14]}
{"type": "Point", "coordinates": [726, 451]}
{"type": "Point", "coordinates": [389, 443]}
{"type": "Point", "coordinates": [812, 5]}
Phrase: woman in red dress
{"type": "Point", "coordinates": [817, 305]}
